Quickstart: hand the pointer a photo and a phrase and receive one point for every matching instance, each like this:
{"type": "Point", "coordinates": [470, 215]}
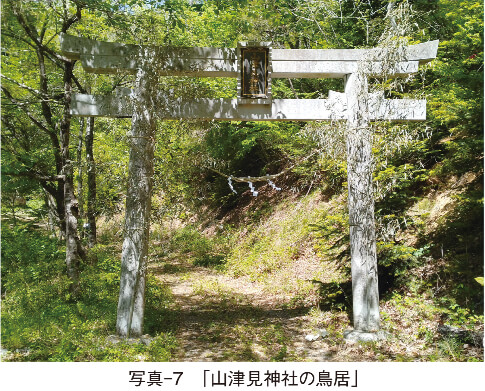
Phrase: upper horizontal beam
{"type": "Point", "coordinates": [337, 69]}
{"type": "Point", "coordinates": [334, 108]}
{"type": "Point", "coordinates": [73, 47]}
{"type": "Point", "coordinates": [220, 68]}
{"type": "Point", "coordinates": [175, 66]}
{"type": "Point", "coordinates": [107, 57]}
{"type": "Point", "coordinates": [421, 52]}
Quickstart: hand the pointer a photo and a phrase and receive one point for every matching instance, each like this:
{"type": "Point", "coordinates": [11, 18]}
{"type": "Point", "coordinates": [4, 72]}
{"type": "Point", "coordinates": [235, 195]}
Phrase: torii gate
{"type": "Point", "coordinates": [254, 64]}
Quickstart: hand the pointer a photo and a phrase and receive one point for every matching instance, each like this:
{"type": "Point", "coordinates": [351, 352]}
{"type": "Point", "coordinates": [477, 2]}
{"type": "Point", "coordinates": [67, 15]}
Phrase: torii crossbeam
{"type": "Point", "coordinates": [254, 64]}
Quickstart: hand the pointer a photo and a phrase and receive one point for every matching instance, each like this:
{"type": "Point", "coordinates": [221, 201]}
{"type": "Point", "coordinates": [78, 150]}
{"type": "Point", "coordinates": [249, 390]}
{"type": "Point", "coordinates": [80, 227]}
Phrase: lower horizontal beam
{"type": "Point", "coordinates": [119, 106]}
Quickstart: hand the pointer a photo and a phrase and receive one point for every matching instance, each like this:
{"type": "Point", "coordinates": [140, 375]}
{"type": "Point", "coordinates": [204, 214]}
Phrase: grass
{"type": "Point", "coordinates": [245, 292]}
{"type": "Point", "coordinates": [267, 245]}
{"type": "Point", "coordinates": [242, 344]}
{"type": "Point", "coordinates": [40, 320]}
{"type": "Point", "coordinates": [282, 257]}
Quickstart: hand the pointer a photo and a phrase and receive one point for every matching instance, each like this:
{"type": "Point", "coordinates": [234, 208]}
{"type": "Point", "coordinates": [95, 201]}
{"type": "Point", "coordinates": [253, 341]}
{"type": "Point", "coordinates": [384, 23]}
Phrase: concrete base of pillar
{"type": "Point", "coordinates": [144, 339]}
{"type": "Point", "coordinates": [353, 336]}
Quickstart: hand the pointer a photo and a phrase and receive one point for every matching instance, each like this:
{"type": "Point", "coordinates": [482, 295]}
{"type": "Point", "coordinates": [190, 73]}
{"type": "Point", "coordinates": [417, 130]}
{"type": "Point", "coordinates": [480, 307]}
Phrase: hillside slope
{"type": "Point", "coordinates": [254, 283]}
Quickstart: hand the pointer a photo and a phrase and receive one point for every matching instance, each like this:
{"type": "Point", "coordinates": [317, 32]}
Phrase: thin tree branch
{"type": "Point", "coordinates": [38, 93]}
{"type": "Point", "coordinates": [73, 19]}
{"type": "Point", "coordinates": [19, 38]}
{"type": "Point", "coordinates": [46, 110]}
{"type": "Point", "coordinates": [36, 175]}
{"type": "Point", "coordinates": [44, 181]}
{"type": "Point", "coordinates": [23, 141]}
{"type": "Point", "coordinates": [20, 105]}
{"type": "Point", "coordinates": [78, 85]}
{"type": "Point", "coordinates": [293, 89]}
{"type": "Point", "coordinates": [32, 33]}
{"type": "Point", "coordinates": [44, 28]}
{"type": "Point", "coordinates": [52, 134]}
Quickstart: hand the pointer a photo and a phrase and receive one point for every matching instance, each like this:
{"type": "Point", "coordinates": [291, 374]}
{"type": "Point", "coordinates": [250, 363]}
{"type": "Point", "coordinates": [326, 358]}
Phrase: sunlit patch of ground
{"type": "Point", "coordinates": [222, 318]}
{"type": "Point", "coordinates": [266, 297]}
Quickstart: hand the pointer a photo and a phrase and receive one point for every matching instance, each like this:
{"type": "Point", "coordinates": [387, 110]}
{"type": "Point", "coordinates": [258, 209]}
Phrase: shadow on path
{"type": "Point", "coordinates": [220, 318]}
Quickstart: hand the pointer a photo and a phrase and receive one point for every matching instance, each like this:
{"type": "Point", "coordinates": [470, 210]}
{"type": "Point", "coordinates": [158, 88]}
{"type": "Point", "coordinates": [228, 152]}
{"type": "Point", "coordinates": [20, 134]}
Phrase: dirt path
{"type": "Point", "coordinates": [221, 318]}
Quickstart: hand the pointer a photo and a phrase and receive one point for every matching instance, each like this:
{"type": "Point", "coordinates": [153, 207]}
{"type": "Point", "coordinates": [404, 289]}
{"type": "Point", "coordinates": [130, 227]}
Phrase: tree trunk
{"type": "Point", "coordinates": [131, 304]}
{"type": "Point", "coordinates": [60, 206]}
{"type": "Point", "coordinates": [52, 215]}
{"type": "Point", "coordinates": [74, 250]}
{"type": "Point", "coordinates": [36, 36]}
{"type": "Point", "coordinates": [13, 199]}
{"type": "Point", "coordinates": [79, 162]}
{"type": "Point", "coordinates": [54, 201]}
{"type": "Point", "coordinates": [365, 293]}
{"type": "Point", "coordinates": [91, 171]}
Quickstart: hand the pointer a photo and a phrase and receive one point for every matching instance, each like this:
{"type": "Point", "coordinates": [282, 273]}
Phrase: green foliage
{"type": "Point", "coordinates": [400, 177]}
{"type": "Point", "coordinates": [395, 261]}
{"type": "Point", "coordinates": [268, 244]}
{"type": "Point", "coordinates": [399, 257]}
{"type": "Point", "coordinates": [204, 251]}
{"type": "Point", "coordinates": [335, 296]}
{"type": "Point", "coordinates": [398, 183]}
{"type": "Point", "coordinates": [210, 260]}
{"type": "Point", "coordinates": [23, 249]}
{"type": "Point", "coordinates": [451, 348]}
{"type": "Point", "coordinates": [111, 154]}
{"type": "Point", "coordinates": [334, 175]}
{"type": "Point", "coordinates": [332, 232]}
{"type": "Point", "coordinates": [41, 321]}
{"type": "Point", "coordinates": [250, 149]}
{"type": "Point", "coordinates": [456, 93]}
{"type": "Point", "coordinates": [461, 234]}
{"type": "Point", "coordinates": [462, 227]}
{"type": "Point", "coordinates": [460, 316]}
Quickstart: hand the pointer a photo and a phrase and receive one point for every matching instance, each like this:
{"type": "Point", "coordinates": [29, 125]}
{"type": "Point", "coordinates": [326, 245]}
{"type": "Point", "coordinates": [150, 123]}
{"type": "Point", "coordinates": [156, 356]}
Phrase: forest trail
{"type": "Point", "coordinates": [223, 318]}
{"type": "Point", "coordinates": [216, 316]}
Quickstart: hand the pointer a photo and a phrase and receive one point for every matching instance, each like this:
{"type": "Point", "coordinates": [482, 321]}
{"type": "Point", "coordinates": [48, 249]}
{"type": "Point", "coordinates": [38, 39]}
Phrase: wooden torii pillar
{"type": "Point", "coordinates": [254, 64]}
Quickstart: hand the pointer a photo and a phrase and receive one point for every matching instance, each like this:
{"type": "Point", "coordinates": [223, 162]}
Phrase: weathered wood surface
{"type": "Point", "coordinates": [422, 52]}
{"type": "Point", "coordinates": [131, 303]}
{"type": "Point", "coordinates": [316, 69]}
{"type": "Point", "coordinates": [335, 108]}
{"type": "Point", "coordinates": [365, 294]}
{"type": "Point", "coordinates": [107, 57]}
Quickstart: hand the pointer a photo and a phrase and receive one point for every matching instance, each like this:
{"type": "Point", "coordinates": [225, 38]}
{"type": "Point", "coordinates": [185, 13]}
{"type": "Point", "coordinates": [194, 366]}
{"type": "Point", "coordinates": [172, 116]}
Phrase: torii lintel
{"type": "Point", "coordinates": [110, 57]}
{"type": "Point", "coordinates": [106, 57]}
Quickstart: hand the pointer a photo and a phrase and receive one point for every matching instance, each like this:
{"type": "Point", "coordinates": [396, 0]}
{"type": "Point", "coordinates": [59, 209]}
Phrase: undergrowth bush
{"type": "Point", "coordinates": [332, 232]}
{"type": "Point", "coordinates": [40, 320]}
{"type": "Point", "coordinates": [204, 251]}
{"type": "Point", "coordinates": [251, 149]}
{"type": "Point", "coordinates": [271, 243]}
